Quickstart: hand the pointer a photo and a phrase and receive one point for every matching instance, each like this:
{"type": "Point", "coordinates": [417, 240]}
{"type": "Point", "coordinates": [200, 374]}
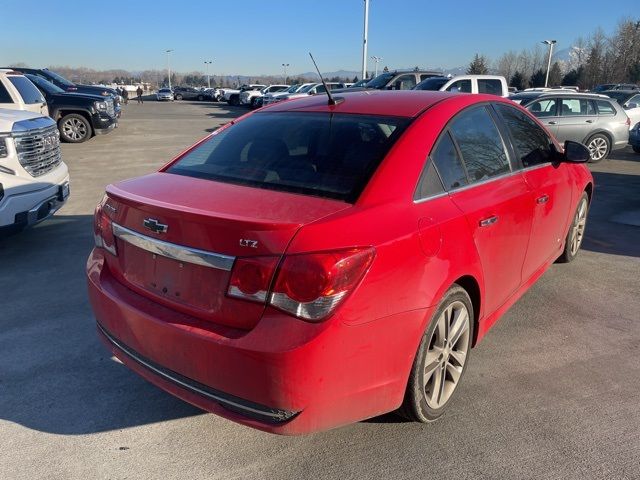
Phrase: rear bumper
{"type": "Point", "coordinates": [634, 137]}
{"type": "Point", "coordinates": [285, 376]}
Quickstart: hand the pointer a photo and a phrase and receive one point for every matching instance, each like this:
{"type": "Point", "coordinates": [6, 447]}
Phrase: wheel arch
{"type": "Point", "coordinates": [601, 132]}
{"type": "Point", "coordinates": [589, 189]}
{"type": "Point", "coordinates": [472, 287]}
{"type": "Point", "coordinates": [68, 111]}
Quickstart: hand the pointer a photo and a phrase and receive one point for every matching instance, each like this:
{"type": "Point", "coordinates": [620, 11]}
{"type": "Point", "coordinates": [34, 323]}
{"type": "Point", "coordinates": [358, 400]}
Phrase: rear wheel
{"type": "Point", "coordinates": [74, 128]}
{"type": "Point", "coordinates": [573, 242]}
{"type": "Point", "coordinates": [441, 359]}
{"type": "Point", "coordinates": [178, 96]}
{"type": "Point", "coordinates": [200, 98]}
{"type": "Point", "coordinates": [599, 147]}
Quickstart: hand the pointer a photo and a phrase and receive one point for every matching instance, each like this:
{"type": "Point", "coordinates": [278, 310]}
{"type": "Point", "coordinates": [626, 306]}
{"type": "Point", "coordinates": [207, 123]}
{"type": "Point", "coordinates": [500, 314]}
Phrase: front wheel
{"type": "Point", "coordinates": [178, 97]}
{"type": "Point", "coordinates": [574, 238]}
{"type": "Point", "coordinates": [599, 147]}
{"type": "Point", "coordinates": [200, 98]}
{"type": "Point", "coordinates": [74, 128]}
{"type": "Point", "coordinates": [441, 359]}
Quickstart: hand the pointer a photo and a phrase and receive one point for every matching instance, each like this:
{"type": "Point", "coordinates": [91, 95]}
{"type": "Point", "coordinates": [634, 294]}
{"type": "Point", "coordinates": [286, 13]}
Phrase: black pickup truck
{"type": "Point", "coordinates": [79, 116]}
{"type": "Point", "coordinates": [70, 87]}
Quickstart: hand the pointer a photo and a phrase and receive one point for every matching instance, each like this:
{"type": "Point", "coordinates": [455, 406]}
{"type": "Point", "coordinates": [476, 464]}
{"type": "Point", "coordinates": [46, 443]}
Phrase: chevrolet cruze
{"type": "Point", "coordinates": [316, 263]}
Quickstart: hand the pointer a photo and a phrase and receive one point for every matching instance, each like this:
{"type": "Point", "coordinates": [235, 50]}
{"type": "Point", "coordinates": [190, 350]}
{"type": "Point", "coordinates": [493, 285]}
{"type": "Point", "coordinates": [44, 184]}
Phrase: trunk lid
{"type": "Point", "coordinates": [187, 265]}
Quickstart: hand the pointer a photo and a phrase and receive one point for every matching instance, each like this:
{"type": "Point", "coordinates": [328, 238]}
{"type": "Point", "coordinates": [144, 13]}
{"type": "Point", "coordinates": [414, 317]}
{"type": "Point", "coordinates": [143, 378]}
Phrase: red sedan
{"type": "Point", "coordinates": [310, 265]}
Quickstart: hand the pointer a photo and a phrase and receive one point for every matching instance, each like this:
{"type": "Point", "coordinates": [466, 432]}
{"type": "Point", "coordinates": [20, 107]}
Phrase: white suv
{"type": "Point", "coordinates": [18, 93]}
{"type": "Point", "coordinates": [34, 181]}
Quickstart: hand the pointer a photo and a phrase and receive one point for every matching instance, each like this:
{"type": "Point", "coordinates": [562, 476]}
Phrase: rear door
{"type": "Point", "coordinates": [495, 202]}
{"type": "Point", "coordinates": [549, 184]}
{"type": "Point", "coordinates": [578, 117]}
{"type": "Point", "coordinates": [546, 110]}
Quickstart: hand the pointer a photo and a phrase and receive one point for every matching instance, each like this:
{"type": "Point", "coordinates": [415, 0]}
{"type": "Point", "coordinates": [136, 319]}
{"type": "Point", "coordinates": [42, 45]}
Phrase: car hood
{"type": "Point", "coordinates": [8, 117]}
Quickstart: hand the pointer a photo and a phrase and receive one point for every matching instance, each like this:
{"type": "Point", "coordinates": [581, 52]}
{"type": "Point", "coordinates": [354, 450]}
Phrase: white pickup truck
{"type": "Point", "coordinates": [18, 93]}
{"type": "Point", "coordinates": [34, 181]}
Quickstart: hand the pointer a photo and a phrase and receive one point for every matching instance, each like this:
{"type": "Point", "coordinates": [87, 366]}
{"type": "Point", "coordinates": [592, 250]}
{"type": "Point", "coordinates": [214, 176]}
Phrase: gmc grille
{"type": "Point", "coordinates": [39, 150]}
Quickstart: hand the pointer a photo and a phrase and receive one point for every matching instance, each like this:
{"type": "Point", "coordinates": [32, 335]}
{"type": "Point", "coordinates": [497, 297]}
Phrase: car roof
{"type": "Point", "coordinates": [398, 103]}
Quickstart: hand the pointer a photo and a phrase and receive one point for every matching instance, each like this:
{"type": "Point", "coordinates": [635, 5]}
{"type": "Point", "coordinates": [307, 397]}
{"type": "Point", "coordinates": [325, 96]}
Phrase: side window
{"type": "Point", "coordinates": [635, 99]}
{"type": "Point", "coordinates": [543, 108]}
{"type": "Point", "coordinates": [480, 144]}
{"type": "Point", "coordinates": [429, 183]}
{"type": "Point", "coordinates": [575, 106]}
{"type": "Point", "coordinates": [4, 95]}
{"type": "Point", "coordinates": [605, 108]}
{"type": "Point", "coordinates": [424, 76]}
{"type": "Point", "coordinates": [532, 144]}
{"type": "Point", "coordinates": [447, 161]}
{"type": "Point", "coordinates": [491, 86]}
{"type": "Point", "coordinates": [405, 82]}
{"type": "Point", "coordinates": [463, 86]}
{"type": "Point", "coordinates": [28, 91]}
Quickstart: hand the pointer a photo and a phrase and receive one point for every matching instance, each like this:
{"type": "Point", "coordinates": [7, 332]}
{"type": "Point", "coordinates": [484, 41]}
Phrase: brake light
{"type": "Point", "coordinates": [103, 229]}
{"type": "Point", "coordinates": [311, 286]}
{"type": "Point", "coordinates": [628, 122]}
{"type": "Point", "coordinates": [251, 278]}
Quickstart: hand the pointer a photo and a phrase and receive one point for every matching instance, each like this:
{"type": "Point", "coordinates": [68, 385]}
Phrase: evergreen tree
{"type": "Point", "coordinates": [478, 65]}
{"type": "Point", "coordinates": [517, 81]}
{"type": "Point", "coordinates": [537, 79]}
{"type": "Point", "coordinates": [355, 79]}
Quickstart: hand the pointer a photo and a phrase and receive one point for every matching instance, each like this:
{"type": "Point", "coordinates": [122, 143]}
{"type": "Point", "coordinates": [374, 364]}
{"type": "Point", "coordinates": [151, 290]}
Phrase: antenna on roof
{"type": "Point", "coordinates": [332, 101]}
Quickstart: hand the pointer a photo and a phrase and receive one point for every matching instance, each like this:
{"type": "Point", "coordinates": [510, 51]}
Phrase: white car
{"type": "Point", "coordinates": [247, 97]}
{"type": "Point", "coordinates": [491, 84]}
{"type": "Point", "coordinates": [277, 97]}
{"type": "Point", "coordinates": [18, 93]}
{"type": "Point", "coordinates": [312, 89]}
{"type": "Point", "coordinates": [630, 101]}
{"type": "Point", "coordinates": [164, 94]}
{"type": "Point", "coordinates": [34, 181]}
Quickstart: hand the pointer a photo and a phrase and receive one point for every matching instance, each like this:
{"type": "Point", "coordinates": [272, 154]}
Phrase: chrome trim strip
{"type": "Point", "coordinates": [134, 356]}
{"type": "Point", "coordinates": [173, 251]}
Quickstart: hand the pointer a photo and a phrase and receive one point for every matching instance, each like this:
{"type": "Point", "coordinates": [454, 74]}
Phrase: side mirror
{"type": "Point", "coordinates": [631, 105]}
{"type": "Point", "coordinates": [575, 152]}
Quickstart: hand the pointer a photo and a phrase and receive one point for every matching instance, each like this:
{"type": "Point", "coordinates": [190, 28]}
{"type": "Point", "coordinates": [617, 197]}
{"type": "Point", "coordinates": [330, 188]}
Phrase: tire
{"type": "Point", "coordinates": [424, 401]}
{"type": "Point", "coordinates": [74, 128]}
{"type": "Point", "coordinates": [599, 147]}
{"type": "Point", "coordinates": [575, 235]}
{"type": "Point", "coordinates": [200, 98]}
{"type": "Point", "coordinates": [178, 97]}
{"type": "Point", "coordinates": [636, 149]}
{"type": "Point", "coordinates": [234, 100]}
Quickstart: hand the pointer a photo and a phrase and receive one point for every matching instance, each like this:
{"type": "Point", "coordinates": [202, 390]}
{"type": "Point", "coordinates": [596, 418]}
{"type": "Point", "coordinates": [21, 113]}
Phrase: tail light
{"type": "Point", "coordinates": [628, 122]}
{"type": "Point", "coordinates": [309, 286]}
{"type": "Point", "coordinates": [103, 230]}
{"type": "Point", "coordinates": [251, 278]}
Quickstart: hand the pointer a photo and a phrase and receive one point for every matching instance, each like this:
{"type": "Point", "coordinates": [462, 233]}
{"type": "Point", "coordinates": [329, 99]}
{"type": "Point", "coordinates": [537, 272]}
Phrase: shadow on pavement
{"type": "Point", "coordinates": [615, 194]}
{"type": "Point", "coordinates": [55, 374]}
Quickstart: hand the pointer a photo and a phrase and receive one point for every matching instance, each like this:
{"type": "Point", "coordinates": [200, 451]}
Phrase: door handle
{"type": "Point", "coordinates": [488, 221]}
{"type": "Point", "coordinates": [552, 123]}
{"type": "Point", "coordinates": [589, 121]}
{"type": "Point", "coordinates": [542, 199]}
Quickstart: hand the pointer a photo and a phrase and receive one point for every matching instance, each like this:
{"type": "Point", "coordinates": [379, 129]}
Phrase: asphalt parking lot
{"type": "Point", "coordinates": [552, 392]}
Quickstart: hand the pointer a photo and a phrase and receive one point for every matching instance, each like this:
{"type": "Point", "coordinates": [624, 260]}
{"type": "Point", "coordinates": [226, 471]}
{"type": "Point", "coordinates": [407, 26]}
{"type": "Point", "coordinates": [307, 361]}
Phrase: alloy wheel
{"type": "Point", "coordinates": [577, 233]}
{"type": "Point", "coordinates": [446, 354]}
{"type": "Point", "coordinates": [598, 148]}
{"type": "Point", "coordinates": [74, 129]}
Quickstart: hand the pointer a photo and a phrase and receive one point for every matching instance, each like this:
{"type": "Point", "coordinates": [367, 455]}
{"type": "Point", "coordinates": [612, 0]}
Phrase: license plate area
{"type": "Point", "coordinates": [182, 283]}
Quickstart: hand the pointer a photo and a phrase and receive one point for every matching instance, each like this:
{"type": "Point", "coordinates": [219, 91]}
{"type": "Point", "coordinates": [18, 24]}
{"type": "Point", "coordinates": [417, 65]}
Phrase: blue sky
{"type": "Point", "coordinates": [256, 37]}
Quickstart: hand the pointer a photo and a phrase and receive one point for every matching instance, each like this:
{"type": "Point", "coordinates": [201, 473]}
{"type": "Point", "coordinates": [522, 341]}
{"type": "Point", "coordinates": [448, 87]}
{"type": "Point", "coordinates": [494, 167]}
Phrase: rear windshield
{"type": "Point", "coordinates": [321, 154]}
{"type": "Point", "coordinates": [28, 91]}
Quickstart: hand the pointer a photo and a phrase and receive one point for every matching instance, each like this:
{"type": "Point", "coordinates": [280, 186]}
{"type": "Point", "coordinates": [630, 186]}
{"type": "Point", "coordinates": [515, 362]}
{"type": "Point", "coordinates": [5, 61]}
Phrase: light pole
{"type": "Point", "coordinates": [364, 41]}
{"type": "Point", "coordinates": [207, 63]}
{"type": "Point", "coordinates": [285, 65]}
{"type": "Point", "coordinates": [377, 60]}
{"type": "Point", "coordinates": [550, 43]}
{"type": "Point", "coordinates": [169, 67]}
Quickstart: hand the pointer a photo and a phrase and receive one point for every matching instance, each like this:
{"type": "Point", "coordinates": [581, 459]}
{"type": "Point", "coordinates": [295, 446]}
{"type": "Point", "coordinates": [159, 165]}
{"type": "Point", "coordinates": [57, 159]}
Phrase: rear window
{"type": "Point", "coordinates": [28, 91]}
{"type": "Point", "coordinates": [605, 108]}
{"type": "Point", "coordinates": [490, 86]}
{"type": "Point", "coordinates": [317, 154]}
